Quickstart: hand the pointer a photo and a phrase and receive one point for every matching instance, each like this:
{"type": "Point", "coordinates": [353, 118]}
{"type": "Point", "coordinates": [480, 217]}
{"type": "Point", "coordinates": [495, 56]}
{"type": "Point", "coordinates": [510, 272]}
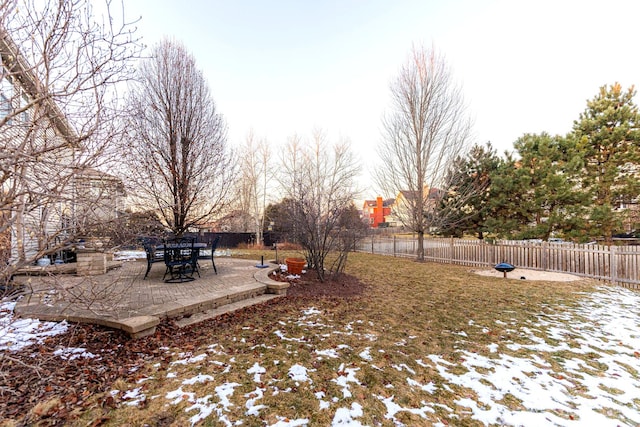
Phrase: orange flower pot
{"type": "Point", "coordinates": [295, 265]}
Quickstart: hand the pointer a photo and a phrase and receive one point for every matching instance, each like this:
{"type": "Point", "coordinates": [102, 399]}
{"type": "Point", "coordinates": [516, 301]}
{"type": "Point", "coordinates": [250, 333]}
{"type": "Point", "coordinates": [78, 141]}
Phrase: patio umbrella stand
{"type": "Point", "coordinates": [262, 264]}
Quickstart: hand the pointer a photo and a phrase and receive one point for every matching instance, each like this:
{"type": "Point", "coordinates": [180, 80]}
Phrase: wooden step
{"type": "Point", "coordinates": [227, 308]}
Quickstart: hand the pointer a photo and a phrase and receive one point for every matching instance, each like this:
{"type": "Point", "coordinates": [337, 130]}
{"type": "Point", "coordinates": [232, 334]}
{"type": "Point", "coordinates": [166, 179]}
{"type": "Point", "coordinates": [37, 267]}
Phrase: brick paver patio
{"type": "Point", "coordinates": [121, 299]}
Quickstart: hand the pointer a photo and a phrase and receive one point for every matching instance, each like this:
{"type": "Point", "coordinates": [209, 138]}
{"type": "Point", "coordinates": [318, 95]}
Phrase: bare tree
{"type": "Point", "coordinates": [240, 208]}
{"type": "Point", "coordinates": [320, 182]}
{"type": "Point", "coordinates": [179, 161]}
{"type": "Point", "coordinates": [256, 174]}
{"type": "Point", "coordinates": [425, 130]}
{"type": "Point", "coordinates": [61, 65]}
{"type": "Point", "coordinates": [60, 71]}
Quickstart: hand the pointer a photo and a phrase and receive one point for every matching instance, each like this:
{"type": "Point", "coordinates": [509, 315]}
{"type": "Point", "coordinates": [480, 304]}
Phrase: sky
{"type": "Point", "coordinates": [281, 68]}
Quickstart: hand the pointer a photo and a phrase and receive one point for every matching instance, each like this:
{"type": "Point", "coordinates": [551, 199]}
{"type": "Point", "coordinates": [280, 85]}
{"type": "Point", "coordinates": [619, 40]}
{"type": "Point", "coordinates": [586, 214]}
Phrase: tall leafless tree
{"type": "Point", "coordinates": [179, 161]}
{"type": "Point", "coordinates": [61, 68]}
{"type": "Point", "coordinates": [425, 129]}
{"type": "Point", "coordinates": [256, 175]}
{"type": "Point", "coordinates": [319, 179]}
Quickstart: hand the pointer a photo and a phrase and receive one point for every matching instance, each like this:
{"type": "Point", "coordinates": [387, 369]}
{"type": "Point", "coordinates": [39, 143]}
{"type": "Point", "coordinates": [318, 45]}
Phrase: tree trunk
{"type": "Point", "coordinates": [420, 246]}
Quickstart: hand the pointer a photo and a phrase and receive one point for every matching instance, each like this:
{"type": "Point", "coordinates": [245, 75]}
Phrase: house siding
{"type": "Point", "coordinates": [40, 201]}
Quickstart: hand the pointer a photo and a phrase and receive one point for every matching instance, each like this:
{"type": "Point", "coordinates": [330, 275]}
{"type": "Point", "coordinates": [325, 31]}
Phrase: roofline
{"type": "Point", "coordinates": [19, 67]}
{"type": "Point", "coordinates": [93, 173]}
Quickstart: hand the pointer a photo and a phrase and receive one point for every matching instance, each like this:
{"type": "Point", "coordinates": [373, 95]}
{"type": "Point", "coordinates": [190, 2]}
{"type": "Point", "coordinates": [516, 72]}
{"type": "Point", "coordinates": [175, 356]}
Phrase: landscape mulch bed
{"type": "Point", "coordinates": [308, 285]}
{"type": "Point", "coordinates": [36, 375]}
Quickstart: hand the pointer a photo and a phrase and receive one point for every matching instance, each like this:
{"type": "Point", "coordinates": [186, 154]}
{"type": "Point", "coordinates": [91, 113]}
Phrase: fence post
{"type": "Point", "coordinates": [372, 244]}
{"type": "Point", "coordinates": [613, 264]}
{"type": "Point", "coordinates": [545, 255]}
{"type": "Point", "coordinates": [394, 245]}
{"type": "Point", "coordinates": [451, 250]}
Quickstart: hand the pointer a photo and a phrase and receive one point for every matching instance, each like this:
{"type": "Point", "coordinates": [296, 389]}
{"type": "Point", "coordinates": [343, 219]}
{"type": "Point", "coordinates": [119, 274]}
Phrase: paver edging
{"type": "Point", "coordinates": [139, 326]}
{"type": "Point", "coordinates": [273, 286]}
{"type": "Point", "coordinates": [146, 307]}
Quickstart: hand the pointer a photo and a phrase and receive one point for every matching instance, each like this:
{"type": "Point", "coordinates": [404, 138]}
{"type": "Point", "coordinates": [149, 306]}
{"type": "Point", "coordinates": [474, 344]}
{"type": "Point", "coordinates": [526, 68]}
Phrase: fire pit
{"type": "Point", "coordinates": [504, 268]}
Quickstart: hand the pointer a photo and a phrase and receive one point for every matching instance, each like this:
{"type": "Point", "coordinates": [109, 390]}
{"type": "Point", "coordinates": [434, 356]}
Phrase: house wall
{"type": "Point", "coordinates": [98, 197]}
{"type": "Point", "coordinates": [368, 212]}
{"type": "Point", "coordinates": [37, 160]}
{"type": "Point", "coordinates": [378, 213]}
{"type": "Point", "coordinates": [42, 189]}
{"type": "Point", "coordinates": [375, 212]}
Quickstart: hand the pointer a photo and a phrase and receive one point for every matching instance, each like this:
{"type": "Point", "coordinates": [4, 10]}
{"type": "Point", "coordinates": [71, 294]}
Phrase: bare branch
{"type": "Point", "coordinates": [320, 180]}
{"type": "Point", "coordinates": [178, 158]}
{"type": "Point", "coordinates": [424, 131]}
{"type": "Point", "coordinates": [257, 173]}
{"type": "Point", "coordinates": [59, 76]}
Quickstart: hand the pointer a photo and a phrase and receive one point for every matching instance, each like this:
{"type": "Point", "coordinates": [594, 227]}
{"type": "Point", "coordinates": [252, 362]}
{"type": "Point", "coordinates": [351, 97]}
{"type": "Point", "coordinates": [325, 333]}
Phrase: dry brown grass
{"type": "Point", "coordinates": [410, 310]}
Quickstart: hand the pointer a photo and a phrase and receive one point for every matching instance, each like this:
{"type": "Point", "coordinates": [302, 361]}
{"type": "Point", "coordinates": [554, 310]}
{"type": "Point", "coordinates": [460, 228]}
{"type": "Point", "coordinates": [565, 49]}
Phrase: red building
{"type": "Point", "coordinates": [376, 211]}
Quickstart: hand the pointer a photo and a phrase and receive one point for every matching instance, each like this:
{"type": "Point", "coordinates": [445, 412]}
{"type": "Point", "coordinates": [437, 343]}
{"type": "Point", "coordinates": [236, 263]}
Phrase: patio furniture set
{"type": "Point", "coordinates": [180, 256]}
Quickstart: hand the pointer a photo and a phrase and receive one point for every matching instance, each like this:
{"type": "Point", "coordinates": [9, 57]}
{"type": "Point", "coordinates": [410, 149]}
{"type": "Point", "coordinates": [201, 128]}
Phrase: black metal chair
{"type": "Point", "coordinates": [203, 256]}
{"type": "Point", "coordinates": [153, 256]}
{"type": "Point", "coordinates": [181, 260]}
{"type": "Point", "coordinates": [214, 246]}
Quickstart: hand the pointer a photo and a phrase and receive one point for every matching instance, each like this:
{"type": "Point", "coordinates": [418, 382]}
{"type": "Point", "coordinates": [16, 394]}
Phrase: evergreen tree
{"type": "Point", "coordinates": [550, 169]}
{"type": "Point", "coordinates": [507, 213]}
{"type": "Point", "coordinates": [607, 136]}
{"type": "Point", "coordinates": [279, 222]}
{"type": "Point", "coordinates": [468, 185]}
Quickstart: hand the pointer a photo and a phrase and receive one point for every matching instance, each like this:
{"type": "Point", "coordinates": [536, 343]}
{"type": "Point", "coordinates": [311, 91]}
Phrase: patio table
{"type": "Point", "coordinates": [181, 260]}
{"type": "Point", "coordinates": [197, 246]}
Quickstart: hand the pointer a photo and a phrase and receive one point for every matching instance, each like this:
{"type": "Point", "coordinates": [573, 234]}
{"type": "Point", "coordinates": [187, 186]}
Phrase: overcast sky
{"type": "Point", "coordinates": [285, 67]}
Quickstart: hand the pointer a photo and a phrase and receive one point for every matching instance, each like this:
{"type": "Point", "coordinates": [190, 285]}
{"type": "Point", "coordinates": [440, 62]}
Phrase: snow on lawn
{"type": "Point", "coordinates": [16, 334]}
{"type": "Point", "coordinates": [605, 326]}
{"type": "Point", "coordinates": [576, 366]}
{"type": "Point", "coordinates": [133, 255]}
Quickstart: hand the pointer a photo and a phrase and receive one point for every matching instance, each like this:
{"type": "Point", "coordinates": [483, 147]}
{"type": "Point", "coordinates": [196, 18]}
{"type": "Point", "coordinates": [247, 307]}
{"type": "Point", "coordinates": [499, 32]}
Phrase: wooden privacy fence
{"type": "Point", "coordinates": [616, 264]}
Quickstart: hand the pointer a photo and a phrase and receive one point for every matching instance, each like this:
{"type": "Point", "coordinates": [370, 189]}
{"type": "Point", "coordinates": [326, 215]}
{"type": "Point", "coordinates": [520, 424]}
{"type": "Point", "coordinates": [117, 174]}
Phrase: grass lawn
{"type": "Point", "coordinates": [425, 344]}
